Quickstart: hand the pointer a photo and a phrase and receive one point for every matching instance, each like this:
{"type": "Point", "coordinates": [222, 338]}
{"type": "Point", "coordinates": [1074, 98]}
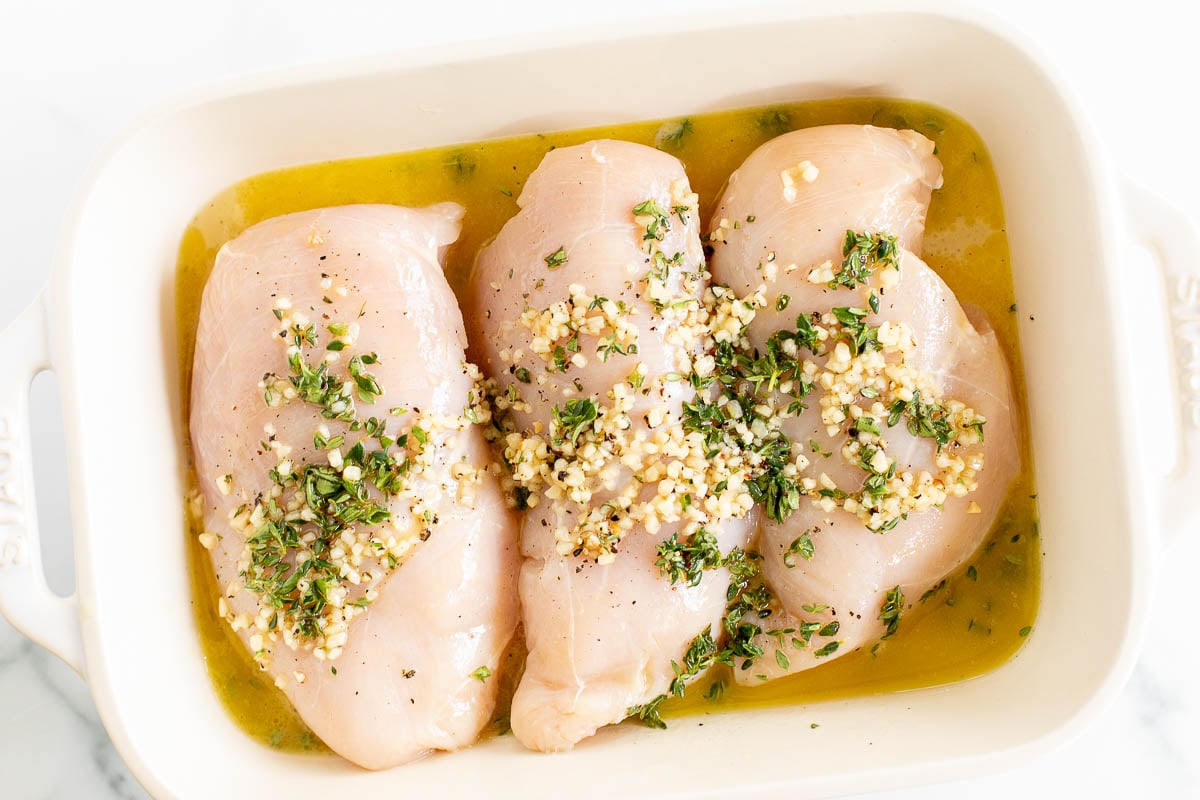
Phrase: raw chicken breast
{"type": "Point", "coordinates": [879, 181]}
{"type": "Point", "coordinates": [387, 682]}
{"type": "Point", "coordinates": [863, 179]}
{"type": "Point", "coordinates": [602, 631]}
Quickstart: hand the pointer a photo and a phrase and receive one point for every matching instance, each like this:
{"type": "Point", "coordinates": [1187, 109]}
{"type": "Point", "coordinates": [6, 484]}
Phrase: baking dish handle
{"type": "Point", "coordinates": [25, 599]}
{"type": "Point", "coordinates": [1175, 243]}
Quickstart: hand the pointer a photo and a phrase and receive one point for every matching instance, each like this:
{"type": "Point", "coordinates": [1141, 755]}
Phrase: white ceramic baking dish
{"type": "Point", "coordinates": [106, 326]}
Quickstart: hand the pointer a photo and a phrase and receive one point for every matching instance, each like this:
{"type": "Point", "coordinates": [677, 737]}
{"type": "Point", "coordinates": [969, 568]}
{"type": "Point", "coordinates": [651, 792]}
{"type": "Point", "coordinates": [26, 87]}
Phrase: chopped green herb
{"type": "Point", "coordinates": [774, 122]}
{"type": "Point", "coordinates": [670, 135]}
{"type": "Point", "coordinates": [575, 417]}
{"type": "Point", "coordinates": [686, 561]}
{"type": "Point", "coordinates": [461, 165]}
{"type": "Point", "coordinates": [700, 655]}
{"type": "Point", "coordinates": [934, 590]}
{"type": "Point", "coordinates": [802, 546]}
{"type": "Point", "coordinates": [367, 387]}
{"type": "Point", "coordinates": [611, 346]}
{"type": "Point", "coordinates": [648, 713]}
{"type": "Point", "coordinates": [861, 253]}
{"type": "Point", "coordinates": [659, 223]}
{"type": "Point", "coordinates": [889, 613]}
{"type": "Point", "coordinates": [928, 420]}
{"type": "Point", "coordinates": [828, 650]}
{"type": "Point", "coordinates": [854, 331]}
{"type": "Point", "coordinates": [557, 258]}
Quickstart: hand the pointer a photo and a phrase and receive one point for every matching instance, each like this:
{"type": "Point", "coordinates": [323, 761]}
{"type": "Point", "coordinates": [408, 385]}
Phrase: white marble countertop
{"type": "Point", "coordinates": [72, 74]}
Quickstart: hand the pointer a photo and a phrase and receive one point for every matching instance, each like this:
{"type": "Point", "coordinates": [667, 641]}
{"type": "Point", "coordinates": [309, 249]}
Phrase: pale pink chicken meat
{"type": "Point", "coordinates": [601, 636]}
{"type": "Point", "coordinates": [863, 179]}
{"type": "Point", "coordinates": [804, 190]}
{"type": "Point", "coordinates": [403, 677]}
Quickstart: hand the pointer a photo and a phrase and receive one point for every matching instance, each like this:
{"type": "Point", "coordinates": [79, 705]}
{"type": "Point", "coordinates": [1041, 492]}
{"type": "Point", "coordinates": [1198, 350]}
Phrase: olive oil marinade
{"type": "Point", "coordinates": [970, 623]}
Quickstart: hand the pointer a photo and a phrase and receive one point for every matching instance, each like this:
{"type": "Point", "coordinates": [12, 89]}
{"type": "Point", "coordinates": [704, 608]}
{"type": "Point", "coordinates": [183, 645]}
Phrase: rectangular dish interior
{"type": "Point", "coordinates": [116, 310]}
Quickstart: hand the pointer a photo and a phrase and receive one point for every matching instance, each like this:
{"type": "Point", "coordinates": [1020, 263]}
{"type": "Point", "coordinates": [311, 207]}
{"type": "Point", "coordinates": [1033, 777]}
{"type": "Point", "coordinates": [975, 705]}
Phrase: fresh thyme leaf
{"type": "Point", "coordinates": [701, 654]}
{"type": "Point", "coordinates": [461, 165]}
{"type": "Point", "coordinates": [574, 417]}
{"type": "Point", "coordinates": [670, 135]}
{"type": "Point", "coordinates": [660, 221]}
{"type": "Point", "coordinates": [802, 545]}
{"type": "Point", "coordinates": [778, 494]}
{"type": "Point", "coordinates": [828, 650]}
{"type": "Point", "coordinates": [648, 713]}
{"type": "Point", "coordinates": [857, 334]}
{"type": "Point", "coordinates": [747, 599]}
{"type": "Point", "coordinates": [611, 346]}
{"type": "Point", "coordinates": [927, 420]}
{"type": "Point", "coordinates": [865, 424]}
{"type": "Point", "coordinates": [686, 561]}
{"type": "Point", "coordinates": [557, 258]}
{"type": "Point", "coordinates": [933, 590]}
{"type": "Point", "coordinates": [861, 253]}
{"type": "Point", "coordinates": [774, 122]}
{"type": "Point", "coordinates": [367, 387]}
{"type": "Point", "coordinates": [481, 674]}
{"type": "Point", "coordinates": [889, 614]}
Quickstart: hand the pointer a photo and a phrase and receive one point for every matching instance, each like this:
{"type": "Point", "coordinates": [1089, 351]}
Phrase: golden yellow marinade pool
{"type": "Point", "coordinates": [970, 624]}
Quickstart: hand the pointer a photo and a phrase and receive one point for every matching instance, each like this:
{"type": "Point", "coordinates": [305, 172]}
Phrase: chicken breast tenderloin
{"type": "Point", "coordinates": [911, 436]}
{"type": "Point", "coordinates": [365, 554]}
{"type": "Point", "coordinates": [584, 311]}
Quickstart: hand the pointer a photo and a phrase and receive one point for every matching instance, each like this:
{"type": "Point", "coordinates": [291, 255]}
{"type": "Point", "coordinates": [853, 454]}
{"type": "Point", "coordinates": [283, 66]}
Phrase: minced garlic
{"type": "Point", "coordinates": [804, 171]}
